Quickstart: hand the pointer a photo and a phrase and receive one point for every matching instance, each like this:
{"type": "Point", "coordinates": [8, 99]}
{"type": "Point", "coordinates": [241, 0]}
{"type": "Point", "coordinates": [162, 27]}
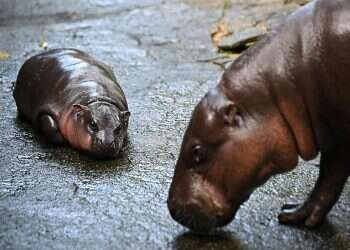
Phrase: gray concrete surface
{"type": "Point", "coordinates": [57, 198]}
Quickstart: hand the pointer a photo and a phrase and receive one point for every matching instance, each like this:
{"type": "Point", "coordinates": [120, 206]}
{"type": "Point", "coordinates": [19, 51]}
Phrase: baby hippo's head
{"type": "Point", "coordinates": [102, 126]}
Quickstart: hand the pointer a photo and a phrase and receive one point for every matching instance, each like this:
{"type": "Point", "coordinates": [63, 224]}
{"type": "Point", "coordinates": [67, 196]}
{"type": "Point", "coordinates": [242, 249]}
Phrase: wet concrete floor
{"type": "Point", "coordinates": [56, 198]}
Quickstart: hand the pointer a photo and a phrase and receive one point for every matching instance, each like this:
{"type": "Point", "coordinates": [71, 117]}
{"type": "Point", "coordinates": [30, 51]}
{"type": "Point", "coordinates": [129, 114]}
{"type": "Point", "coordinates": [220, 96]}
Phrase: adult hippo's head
{"type": "Point", "coordinates": [99, 128]}
{"type": "Point", "coordinates": [229, 149]}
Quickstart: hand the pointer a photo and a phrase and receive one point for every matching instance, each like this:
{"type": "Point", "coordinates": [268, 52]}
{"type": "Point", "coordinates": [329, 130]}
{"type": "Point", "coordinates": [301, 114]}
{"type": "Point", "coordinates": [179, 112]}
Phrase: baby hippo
{"type": "Point", "coordinates": [71, 97]}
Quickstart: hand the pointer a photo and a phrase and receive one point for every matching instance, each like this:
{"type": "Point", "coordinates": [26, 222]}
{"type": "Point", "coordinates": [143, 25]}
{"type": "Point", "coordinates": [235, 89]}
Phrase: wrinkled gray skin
{"type": "Point", "coordinates": [108, 127]}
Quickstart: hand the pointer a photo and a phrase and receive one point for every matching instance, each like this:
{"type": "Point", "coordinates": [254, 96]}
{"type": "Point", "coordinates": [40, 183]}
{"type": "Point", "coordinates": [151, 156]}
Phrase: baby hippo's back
{"type": "Point", "coordinates": [54, 80]}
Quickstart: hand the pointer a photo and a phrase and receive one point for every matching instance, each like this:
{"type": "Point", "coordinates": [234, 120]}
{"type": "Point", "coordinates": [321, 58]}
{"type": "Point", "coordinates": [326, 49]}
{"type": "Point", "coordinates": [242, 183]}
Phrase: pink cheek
{"type": "Point", "coordinates": [85, 141]}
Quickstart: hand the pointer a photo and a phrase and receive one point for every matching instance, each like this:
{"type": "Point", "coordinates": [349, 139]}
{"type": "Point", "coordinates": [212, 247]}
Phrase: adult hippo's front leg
{"type": "Point", "coordinates": [334, 171]}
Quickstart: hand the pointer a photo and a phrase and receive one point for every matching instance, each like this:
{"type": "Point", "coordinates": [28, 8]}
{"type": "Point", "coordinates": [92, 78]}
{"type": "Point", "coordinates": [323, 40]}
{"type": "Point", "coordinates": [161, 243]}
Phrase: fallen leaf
{"type": "Point", "coordinates": [300, 2]}
{"type": "Point", "coordinates": [4, 55]}
{"type": "Point", "coordinates": [261, 25]}
{"type": "Point", "coordinates": [240, 45]}
{"type": "Point", "coordinates": [220, 32]}
{"type": "Point", "coordinates": [43, 44]}
{"type": "Point", "coordinates": [221, 61]}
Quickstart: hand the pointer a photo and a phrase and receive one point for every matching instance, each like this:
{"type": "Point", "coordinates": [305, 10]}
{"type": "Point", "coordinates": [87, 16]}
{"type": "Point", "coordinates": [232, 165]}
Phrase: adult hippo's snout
{"type": "Point", "coordinates": [198, 205]}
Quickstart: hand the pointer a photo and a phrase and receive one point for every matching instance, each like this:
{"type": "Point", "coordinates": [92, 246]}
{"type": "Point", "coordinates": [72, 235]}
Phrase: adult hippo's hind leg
{"type": "Point", "coordinates": [49, 127]}
{"type": "Point", "coordinates": [334, 171]}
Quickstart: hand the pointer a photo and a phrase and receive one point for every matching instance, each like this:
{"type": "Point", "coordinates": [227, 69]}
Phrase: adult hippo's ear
{"type": "Point", "coordinates": [79, 109]}
{"type": "Point", "coordinates": [124, 116]}
{"type": "Point", "coordinates": [231, 114]}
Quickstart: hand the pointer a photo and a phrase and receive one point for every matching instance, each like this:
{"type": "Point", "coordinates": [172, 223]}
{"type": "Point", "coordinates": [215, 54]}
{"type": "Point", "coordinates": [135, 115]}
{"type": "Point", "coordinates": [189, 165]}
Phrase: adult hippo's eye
{"type": "Point", "coordinates": [93, 126]}
{"type": "Point", "coordinates": [198, 153]}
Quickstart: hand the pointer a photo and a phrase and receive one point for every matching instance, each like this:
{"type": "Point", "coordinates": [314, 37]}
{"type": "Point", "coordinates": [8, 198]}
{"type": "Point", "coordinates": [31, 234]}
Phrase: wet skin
{"type": "Point", "coordinates": [73, 98]}
{"type": "Point", "coordinates": [287, 96]}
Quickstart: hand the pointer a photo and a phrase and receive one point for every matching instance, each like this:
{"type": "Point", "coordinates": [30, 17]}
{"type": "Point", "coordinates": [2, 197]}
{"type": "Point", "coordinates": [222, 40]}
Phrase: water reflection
{"type": "Point", "coordinates": [217, 239]}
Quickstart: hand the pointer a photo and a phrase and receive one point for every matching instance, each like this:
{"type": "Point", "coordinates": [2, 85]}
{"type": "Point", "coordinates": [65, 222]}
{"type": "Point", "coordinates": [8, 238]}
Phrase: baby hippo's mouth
{"type": "Point", "coordinates": [105, 151]}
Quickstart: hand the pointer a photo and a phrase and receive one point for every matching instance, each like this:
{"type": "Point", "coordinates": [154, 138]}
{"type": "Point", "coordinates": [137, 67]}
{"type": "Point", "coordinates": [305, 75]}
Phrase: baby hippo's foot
{"type": "Point", "coordinates": [49, 127]}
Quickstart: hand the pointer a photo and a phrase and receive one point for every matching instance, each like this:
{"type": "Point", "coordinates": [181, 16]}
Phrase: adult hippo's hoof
{"type": "Point", "coordinates": [71, 97]}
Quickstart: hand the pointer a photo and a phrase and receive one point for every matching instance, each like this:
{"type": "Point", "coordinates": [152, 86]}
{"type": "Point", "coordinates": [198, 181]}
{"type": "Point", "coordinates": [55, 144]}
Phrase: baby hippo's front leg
{"type": "Point", "coordinates": [334, 171]}
{"type": "Point", "coordinates": [49, 127]}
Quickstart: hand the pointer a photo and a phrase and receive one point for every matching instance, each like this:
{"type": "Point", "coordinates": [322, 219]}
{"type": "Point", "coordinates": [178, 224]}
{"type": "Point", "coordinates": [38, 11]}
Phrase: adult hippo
{"type": "Point", "coordinates": [287, 96]}
{"type": "Point", "coordinates": [71, 97]}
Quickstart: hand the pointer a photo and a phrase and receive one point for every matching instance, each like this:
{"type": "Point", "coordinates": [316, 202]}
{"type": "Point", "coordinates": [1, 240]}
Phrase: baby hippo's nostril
{"type": "Point", "coordinates": [118, 129]}
{"type": "Point", "coordinates": [110, 144]}
{"type": "Point", "coordinates": [114, 145]}
{"type": "Point", "coordinates": [108, 139]}
{"type": "Point", "coordinates": [99, 141]}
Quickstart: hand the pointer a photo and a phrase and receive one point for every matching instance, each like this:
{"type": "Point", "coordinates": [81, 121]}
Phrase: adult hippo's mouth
{"type": "Point", "coordinates": [201, 206]}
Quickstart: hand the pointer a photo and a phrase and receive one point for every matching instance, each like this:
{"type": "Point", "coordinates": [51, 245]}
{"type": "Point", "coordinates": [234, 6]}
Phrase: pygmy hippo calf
{"type": "Point", "coordinates": [287, 96]}
{"type": "Point", "coordinates": [71, 97]}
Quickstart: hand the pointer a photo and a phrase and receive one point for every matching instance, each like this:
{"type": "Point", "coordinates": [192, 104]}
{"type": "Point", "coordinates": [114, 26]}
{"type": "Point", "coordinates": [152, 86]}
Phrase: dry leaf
{"type": "Point", "coordinates": [220, 32]}
{"type": "Point", "coordinates": [240, 45]}
{"type": "Point", "coordinates": [261, 25]}
{"type": "Point", "coordinates": [43, 44]}
{"type": "Point", "coordinates": [300, 2]}
{"type": "Point", "coordinates": [4, 55]}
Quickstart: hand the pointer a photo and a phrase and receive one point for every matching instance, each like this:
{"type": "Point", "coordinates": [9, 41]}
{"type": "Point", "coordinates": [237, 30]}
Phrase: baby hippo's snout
{"type": "Point", "coordinates": [107, 145]}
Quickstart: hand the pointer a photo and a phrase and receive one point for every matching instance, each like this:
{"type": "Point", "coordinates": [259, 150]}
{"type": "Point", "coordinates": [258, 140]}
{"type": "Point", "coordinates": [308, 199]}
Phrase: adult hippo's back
{"type": "Point", "coordinates": [288, 95]}
{"type": "Point", "coordinates": [71, 97]}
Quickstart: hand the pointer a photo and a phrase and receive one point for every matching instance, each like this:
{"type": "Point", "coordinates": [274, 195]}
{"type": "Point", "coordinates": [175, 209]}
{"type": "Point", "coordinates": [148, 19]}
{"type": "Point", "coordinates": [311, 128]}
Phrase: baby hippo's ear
{"type": "Point", "coordinates": [79, 109]}
{"type": "Point", "coordinates": [231, 114]}
{"type": "Point", "coordinates": [124, 115]}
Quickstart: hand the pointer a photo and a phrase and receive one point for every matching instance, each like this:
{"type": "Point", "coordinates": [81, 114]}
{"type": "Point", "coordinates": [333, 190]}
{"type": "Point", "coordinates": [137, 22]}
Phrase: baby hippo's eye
{"type": "Point", "coordinates": [198, 154]}
{"type": "Point", "coordinates": [93, 126]}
